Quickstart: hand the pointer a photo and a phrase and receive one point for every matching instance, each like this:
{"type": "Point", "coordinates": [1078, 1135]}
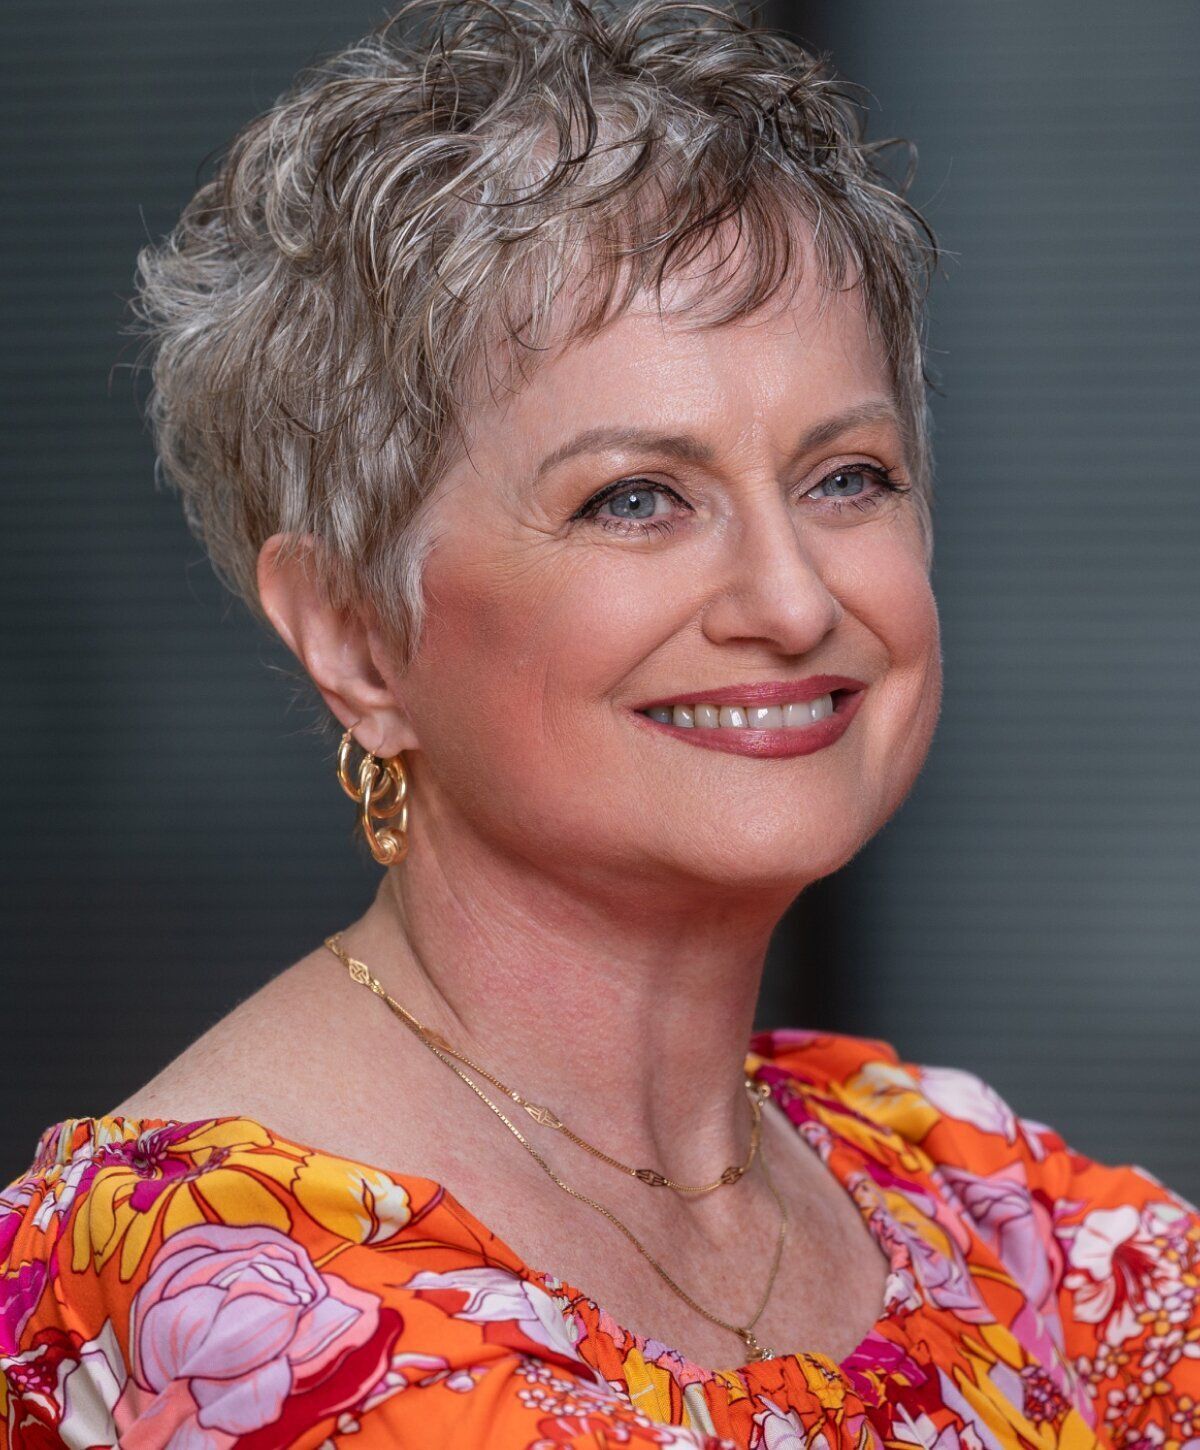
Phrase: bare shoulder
{"type": "Point", "coordinates": [310, 1057]}
{"type": "Point", "coordinates": [262, 1058]}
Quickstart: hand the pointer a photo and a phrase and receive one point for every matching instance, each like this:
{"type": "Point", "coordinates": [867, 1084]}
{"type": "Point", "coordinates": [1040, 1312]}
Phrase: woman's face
{"type": "Point", "coordinates": [654, 516]}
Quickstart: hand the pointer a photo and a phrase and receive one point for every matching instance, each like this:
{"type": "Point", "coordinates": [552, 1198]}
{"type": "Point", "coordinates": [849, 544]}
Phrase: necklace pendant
{"type": "Point", "coordinates": [755, 1350]}
{"type": "Point", "coordinates": [540, 1114]}
{"type": "Point", "coordinates": [650, 1176]}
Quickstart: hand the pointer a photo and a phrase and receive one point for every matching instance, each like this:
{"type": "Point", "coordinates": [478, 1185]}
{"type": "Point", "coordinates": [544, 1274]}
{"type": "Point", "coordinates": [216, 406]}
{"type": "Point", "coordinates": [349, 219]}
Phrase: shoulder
{"type": "Point", "coordinates": [962, 1129]}
{"type": "Point", "coordinates": [185, 1273]}
{"type": "Point", "coordinates": [950, 1112]}
{"type": "Point", "coordinates": [262, 1059]}
{"type": "Point", "coordinates": [1106, 1249]}
{"type": "Point", "coordinates": [208, 1281]}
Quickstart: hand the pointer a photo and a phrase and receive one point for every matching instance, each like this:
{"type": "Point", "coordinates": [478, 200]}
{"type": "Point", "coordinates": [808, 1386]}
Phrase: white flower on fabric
{"type": "Point", "coordinates": [920, 1431]}
{"type": "Point", "coordinates": [57, 1203]}
{"type": "Point", "coordinates": [1098, 1238]}
{"type": "Point", "coordinates": [1119, 1267]}
{"type": "Point", "coordinates": [777, 1430]}
{"type": "Point", "coordinates": [495, 1296]}
{"type": "Point", "coordinates": [962, 1095]}
{"type": "Point", "coordinates": [88, 1388]}
{"type": "Point", "coordinates": [383, 1204]}
{"type": "Point", "coordinates": [882, 1075]}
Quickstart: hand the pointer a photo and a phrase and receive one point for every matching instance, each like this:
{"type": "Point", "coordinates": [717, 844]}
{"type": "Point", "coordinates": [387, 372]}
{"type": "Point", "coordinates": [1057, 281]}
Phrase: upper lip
{"type": "Point", "coordinates": [766, 692]}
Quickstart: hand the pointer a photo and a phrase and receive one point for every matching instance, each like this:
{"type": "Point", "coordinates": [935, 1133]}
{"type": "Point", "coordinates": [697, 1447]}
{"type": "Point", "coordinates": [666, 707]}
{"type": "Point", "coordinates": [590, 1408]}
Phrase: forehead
{"type": "Point", "coordinates": [804, 356]}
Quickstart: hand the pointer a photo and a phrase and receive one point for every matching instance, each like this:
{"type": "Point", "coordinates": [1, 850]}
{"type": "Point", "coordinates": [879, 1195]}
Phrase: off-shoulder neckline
{"type": "Point", "coordinates": [874, 1215]}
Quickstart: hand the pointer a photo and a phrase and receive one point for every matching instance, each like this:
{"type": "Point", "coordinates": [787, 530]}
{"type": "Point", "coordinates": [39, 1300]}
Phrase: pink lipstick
{"type": "Point", "coordinates": [765, 743]}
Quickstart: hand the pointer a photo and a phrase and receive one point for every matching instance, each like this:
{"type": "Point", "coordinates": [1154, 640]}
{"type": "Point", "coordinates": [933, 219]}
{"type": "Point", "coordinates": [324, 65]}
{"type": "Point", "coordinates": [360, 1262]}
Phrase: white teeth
{"type": "Point", "coordinates": [765, 717]}
{"type": "Point", "coordinates": [797, 715]}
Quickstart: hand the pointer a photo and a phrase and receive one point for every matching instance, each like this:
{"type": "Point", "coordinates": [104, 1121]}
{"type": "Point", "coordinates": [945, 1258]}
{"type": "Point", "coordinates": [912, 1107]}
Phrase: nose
{"type": "Point", "coordinates": [770, 589]}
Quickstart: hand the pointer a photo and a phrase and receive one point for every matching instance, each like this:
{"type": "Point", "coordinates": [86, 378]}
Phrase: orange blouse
{"type": "Point", "coordinates": [211, 1284]}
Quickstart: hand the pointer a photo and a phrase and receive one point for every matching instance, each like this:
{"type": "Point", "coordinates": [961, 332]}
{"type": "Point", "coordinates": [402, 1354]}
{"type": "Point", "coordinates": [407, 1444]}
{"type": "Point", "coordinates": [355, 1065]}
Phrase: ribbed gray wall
{"type": "Point", "coordinates": [1033, 912]}
{"type": "Point", "coordinates": [173, 836]}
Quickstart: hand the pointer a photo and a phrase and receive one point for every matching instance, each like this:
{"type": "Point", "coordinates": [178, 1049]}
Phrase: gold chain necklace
{"type": "Point", "coordinates": [361, 973]}
{"type": "Point", "coordinates": [546, 1116]}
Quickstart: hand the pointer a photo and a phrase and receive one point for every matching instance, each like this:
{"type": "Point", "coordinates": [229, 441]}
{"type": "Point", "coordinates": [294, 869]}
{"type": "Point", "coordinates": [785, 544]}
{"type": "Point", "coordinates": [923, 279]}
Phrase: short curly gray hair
{"type": "Point", "coordinates": [321, 312]}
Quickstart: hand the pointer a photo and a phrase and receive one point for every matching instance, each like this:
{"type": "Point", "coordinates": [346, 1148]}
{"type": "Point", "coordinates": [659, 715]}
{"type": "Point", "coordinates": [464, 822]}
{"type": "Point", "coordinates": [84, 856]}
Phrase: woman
{"type": "Point", "coordinates": [551, 380]}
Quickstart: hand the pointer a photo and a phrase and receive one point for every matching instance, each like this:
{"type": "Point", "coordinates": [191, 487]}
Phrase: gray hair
{"type": "Point", "coordinates": [323, 308]}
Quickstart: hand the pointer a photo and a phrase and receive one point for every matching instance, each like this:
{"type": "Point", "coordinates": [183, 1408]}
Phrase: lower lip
{"type": "Point", "coordinates": [767, 744]}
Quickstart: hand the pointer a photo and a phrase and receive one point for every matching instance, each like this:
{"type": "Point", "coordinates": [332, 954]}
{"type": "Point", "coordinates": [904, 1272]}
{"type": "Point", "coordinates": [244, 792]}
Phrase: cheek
{"type": "Point", "coordinates": [899, 609]}
{"type": "Point", "coordinates": [517, 646]}
{"type": "Point", "coordinates": [902, 611]}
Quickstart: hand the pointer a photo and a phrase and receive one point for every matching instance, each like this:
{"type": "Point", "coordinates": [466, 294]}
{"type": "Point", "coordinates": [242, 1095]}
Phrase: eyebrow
{"type": "Point", "coordinates": [690, 449]}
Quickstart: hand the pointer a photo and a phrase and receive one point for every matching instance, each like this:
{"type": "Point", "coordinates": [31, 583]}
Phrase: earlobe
{"type": "Point", "coordinates": [333, 645]}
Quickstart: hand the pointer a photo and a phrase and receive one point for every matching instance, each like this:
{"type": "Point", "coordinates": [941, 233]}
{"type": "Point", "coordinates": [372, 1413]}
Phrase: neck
{"type": "Point", "coordinates": [628, 1013]}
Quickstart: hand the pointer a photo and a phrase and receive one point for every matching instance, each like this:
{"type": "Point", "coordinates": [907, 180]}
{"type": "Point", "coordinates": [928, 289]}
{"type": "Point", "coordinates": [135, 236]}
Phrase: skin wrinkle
{"type": "Point", "coordinates": [696, 451]}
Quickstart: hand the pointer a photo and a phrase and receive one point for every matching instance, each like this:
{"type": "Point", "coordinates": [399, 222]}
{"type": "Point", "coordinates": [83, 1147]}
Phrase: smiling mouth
{"type": "Point", "coordinates": [788, 715]}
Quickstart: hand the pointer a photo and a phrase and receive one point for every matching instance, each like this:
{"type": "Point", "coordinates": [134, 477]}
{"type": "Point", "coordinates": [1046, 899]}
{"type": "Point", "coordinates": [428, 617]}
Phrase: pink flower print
{"type": "Point", "coordinates": [877, 1360]}
{"type": "Point", "coordinates": [945, 1278]}
{"type": "Point", "coordinates": [225, 1326]}
{"type": "Point", "coordinates": [19, 1295]}
{"type": "Point", "coordinates": [150, 1156]}
{"type": "Point", "coordinates": [962, 1095]}
{"type": "Point", "coordinates": [1014, 1226]}
{"type": "Point", "coordinates": [1043, 1400]}
{"type": "Point", "coordinates": [1019, 1229]}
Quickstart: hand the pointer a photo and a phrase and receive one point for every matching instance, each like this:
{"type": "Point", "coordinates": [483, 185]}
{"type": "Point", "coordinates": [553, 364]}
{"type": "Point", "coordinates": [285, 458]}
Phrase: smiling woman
{"type": "Point", "coordinates": [550, 378]}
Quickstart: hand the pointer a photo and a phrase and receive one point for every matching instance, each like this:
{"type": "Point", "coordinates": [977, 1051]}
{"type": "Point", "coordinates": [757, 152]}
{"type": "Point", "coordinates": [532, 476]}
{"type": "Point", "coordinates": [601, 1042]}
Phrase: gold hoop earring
{"type": "Point", "coordinates": [382, 792]}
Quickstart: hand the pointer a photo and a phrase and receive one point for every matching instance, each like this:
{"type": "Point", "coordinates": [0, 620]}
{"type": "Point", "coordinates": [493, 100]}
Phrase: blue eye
{"type": "Point", "coordinates": [844, 473]}
{"type": "Point", "coordinates": [641, 503]}
{"type": "Point", "coordinates": [636, 502]}
{"type": "Point", "coordinates": [862, 500]}
{"type": "Point", "coordinates": [861, 486]}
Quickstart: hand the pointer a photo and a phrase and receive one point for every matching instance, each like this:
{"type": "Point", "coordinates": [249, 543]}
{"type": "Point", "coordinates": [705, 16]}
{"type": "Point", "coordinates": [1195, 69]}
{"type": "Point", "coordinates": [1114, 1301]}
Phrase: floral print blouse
{"type": "Point", "coordinates": [211, 1284]}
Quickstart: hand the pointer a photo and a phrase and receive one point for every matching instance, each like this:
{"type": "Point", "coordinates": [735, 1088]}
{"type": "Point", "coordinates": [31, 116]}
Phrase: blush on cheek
{"type": "Point", "coordinates": [473, 690]}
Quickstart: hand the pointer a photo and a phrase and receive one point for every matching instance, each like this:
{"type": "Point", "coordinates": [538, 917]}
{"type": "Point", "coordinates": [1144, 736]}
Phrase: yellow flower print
{"type": "Point", "coordinates": [359, 1204]}
{"type": "Point", "coordinates": [231, 1171]}
{"type": "Point", "coordinates": [649, 1386]}
{"type": "Point", "coordinates": [823, 1378]}
{"type": "Point", "coordinates": [892, 1097]}
{"type": "Point", "coordinates": [176, 1176]}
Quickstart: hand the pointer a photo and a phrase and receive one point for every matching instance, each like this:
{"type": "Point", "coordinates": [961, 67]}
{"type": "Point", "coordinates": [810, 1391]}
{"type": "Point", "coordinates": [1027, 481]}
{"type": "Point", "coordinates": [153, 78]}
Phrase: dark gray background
{"type": "Point", "coordinates": [173, 831]}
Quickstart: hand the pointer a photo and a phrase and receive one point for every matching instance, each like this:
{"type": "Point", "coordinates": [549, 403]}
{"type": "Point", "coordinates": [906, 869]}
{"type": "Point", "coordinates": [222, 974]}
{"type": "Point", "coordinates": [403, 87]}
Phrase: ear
{"type": "Point", "coordinates": [336, 647]}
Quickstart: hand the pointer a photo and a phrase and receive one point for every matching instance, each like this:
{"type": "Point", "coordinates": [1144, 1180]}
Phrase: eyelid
{"type": "Point", "coordinates": [598, 499]}
{"type": "Point", "coordinates": [629, 483]}
{"type": "Point", "coordinates": [828, 471]}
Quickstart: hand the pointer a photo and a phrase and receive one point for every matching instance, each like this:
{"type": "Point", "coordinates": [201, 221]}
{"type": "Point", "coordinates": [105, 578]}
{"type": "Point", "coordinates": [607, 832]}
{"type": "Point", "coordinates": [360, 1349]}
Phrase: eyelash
{"type": "Point", "coordinates": [864, 503]}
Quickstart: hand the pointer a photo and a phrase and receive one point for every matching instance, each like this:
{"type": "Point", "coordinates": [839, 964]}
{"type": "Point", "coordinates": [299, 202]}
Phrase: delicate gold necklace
{"type": "Point", "coordinates": [546, 1116]}
{"type": "Point", "coordinates": [361, 973]}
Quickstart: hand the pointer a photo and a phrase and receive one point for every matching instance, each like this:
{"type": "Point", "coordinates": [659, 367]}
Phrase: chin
{"type": "Point", "coordinates": [777, 861]}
